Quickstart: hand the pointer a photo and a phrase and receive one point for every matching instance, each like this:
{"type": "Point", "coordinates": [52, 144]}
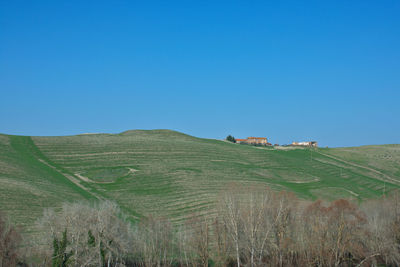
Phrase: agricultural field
{"type": "Point", "coordinates": [171, 174]}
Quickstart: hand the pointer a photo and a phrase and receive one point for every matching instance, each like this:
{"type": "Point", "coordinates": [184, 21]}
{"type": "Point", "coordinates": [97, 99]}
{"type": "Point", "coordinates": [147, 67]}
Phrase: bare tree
{"type": "Point", "coordinates": [229, 209]}
{"type": "Point", "coordinates": [333, 234]}
{"type": "Point", "coordinates": [183, 245]}
{"type": "Point", "coordinates": [9, 241]}
{"type": "Point", "coordinates": [155, 240]}
{"type": "Point", "coordinates": [255, 216]}
{"type": "Point", "coordinates": [383, 230]}
{"type": "Point", "coordinates": [200, 238]}
{"type": "Point", "coordinates": [221, 243]}
{"type": "Point", "coordinates": [258, 222]}
{"type": "Point", "coordinates": [283, 220]}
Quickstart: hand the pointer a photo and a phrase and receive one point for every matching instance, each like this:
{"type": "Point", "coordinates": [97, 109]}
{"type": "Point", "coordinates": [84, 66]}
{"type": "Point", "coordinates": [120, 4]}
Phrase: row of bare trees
{"type": "Point", "coordinates": [277, 229]}
{"type": "Point", "coordinates": [250, 227]}
{"type": "Point", "coordinates": [97, 234]}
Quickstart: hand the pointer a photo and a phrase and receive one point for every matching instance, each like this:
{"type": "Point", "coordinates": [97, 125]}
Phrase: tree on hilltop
{"type": "Point", "coordinates": [230, 138]}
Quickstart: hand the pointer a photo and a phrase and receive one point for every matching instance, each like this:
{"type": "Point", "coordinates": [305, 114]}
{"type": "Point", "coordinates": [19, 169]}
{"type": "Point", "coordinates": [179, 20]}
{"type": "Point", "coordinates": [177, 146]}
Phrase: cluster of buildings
{"type": "Point", "coordinates": [253, 141]}
{"type": "Point", "coordinates": [310, 143]}
{"type": "Point", "coordinates": [264, 141]}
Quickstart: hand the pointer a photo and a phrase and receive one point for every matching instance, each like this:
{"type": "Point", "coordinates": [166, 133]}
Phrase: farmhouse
{"type": "Point", "coordinates": [309, 143]}
{"type": "Point", "coordinates": [253, 141]}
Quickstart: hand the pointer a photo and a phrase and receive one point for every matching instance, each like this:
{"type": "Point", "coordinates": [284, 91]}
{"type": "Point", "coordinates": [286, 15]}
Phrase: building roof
{"type": "Point", "coordinates": [256, 137]}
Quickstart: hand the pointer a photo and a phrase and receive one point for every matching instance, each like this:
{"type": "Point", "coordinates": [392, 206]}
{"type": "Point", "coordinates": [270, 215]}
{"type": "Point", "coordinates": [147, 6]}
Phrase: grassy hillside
{"type": "Point", "coordinates": [172, 174]}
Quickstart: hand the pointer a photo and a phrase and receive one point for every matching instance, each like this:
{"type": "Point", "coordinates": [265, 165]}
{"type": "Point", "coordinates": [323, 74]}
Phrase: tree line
{"type": "Point", "coordinates": [250, 226]}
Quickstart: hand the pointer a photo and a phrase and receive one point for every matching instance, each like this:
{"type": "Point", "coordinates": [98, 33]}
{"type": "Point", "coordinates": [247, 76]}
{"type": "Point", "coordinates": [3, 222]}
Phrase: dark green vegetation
{"type": "Point", "coordinates": [61, 258]}
{"type": "Point", "coordinates": [230, 138]}
{"type": "Point", "coordinates": [175, 175]}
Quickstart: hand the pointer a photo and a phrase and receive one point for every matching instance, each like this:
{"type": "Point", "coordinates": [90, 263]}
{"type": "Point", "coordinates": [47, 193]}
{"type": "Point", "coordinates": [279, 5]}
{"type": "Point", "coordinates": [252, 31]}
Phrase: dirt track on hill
{"type": "Point", "coordinates": [72, 179]}
{"type": "Point", "coordinates": [363, 167]}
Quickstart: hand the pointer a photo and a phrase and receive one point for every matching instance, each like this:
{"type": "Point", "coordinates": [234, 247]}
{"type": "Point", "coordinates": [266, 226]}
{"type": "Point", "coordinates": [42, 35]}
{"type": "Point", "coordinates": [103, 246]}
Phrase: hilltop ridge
{"type": "Point", "coordinates": [172, 174]}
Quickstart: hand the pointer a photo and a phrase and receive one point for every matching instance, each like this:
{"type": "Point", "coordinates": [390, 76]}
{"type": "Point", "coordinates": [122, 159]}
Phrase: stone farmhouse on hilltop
{"type": "Point", "coordinates": [253, 141]}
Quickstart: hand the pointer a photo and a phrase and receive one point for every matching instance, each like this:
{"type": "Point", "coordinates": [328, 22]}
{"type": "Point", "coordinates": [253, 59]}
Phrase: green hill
{"type": "Point", "coordinates": [171, 174]}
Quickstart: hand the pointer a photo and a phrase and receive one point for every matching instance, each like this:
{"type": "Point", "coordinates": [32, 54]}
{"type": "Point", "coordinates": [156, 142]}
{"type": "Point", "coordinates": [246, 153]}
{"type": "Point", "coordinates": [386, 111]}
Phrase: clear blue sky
{"type": "Point", "coordinates": [289, 70]}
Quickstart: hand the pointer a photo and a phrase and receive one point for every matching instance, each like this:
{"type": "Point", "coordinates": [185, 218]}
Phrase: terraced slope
{"type": "Point", "coordinates": [171, 174]}
{"type": "Point", "coordinates": [28, 184]}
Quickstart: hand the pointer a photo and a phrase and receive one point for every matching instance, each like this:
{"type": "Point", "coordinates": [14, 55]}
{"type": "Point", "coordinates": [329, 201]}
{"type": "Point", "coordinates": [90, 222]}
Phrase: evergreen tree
{"type": "Point", "coordinates": [61, 258]}
{"type": "Point", "coordinates": [91, 239]}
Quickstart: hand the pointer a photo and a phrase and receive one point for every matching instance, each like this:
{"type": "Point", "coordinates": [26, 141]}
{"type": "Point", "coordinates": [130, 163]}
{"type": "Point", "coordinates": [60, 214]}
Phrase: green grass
{"type": "Point", "coordinates": [171, 174]}
{"type": "Point", "coordinates": [107, 175]}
